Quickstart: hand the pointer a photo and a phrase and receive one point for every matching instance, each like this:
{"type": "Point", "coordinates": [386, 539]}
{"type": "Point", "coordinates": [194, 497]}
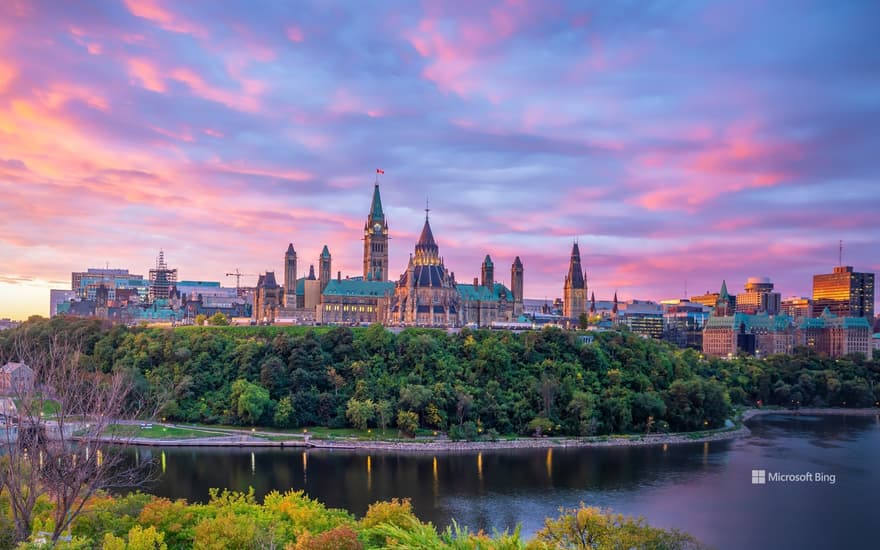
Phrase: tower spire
{"type": "Point", "coordinates": [376, 238]}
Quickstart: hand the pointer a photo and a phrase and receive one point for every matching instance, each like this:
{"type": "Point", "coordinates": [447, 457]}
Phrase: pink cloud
{"type": "Point", "coordinates": [147, 74]}
{"type": "Point", "coordinates": [155, 11]}
{"type": "Point", "coordinates": [739, 159]}
{"type": "Point", "coordinates": [459, 49]}
{"type": "Point", "coordinates": [7, 74]}
{"type": "Point", "coordinates": [295, 34]}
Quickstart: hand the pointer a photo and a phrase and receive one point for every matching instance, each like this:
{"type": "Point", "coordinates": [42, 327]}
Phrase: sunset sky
{"type": "Point", "coordinates": [679, 142]}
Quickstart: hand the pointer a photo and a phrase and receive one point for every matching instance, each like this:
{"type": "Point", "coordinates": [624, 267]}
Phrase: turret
{"type": "Point", "coordinates": [324, 267]}
{"type": "Point", "coordinates": [290, 276]}
{"type": "Point", "coordinates": [516, 286]}
{"type": "Point", "coordinates": [488, 272]}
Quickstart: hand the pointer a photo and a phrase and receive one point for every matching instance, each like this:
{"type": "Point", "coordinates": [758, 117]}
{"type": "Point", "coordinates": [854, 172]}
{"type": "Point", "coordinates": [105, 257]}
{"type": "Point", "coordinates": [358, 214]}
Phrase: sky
{"type": "Point", "coordinates": [681, 143]}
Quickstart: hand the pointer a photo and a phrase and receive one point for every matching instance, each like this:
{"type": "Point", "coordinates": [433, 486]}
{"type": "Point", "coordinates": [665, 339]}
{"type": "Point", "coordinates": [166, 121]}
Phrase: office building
{"type": "Point", "coordinates": [844, 293]}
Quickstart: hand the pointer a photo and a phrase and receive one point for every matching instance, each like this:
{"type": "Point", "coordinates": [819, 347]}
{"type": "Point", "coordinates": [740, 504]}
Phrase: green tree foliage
{"type": "Point", "coordinates": [360, 413]}
{"type": "Point", "coordinates": [218, 320]}
{"type": "Point", "coordinates": [590, 528]}
{"type": "Point", "coordinates": [497, 380]}
{"type": "Point", "coordinates": [283, 413]}
{"type": "Point", "coordinates": [251, 401]}
{"type": "Point", "coordinates": [408, 423]}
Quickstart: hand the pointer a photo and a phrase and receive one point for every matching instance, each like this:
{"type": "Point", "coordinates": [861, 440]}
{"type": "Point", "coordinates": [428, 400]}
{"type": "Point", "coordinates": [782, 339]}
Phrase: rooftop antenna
{"type": "Point", "coordinates": [685, 287]}
{"type": "Point", "coordinates": [840, 252]}
{"type": "Point", "coordinates": [427, 207]}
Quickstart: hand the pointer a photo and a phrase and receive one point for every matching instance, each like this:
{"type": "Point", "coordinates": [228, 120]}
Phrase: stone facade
{"type": "Point", "coordinates": [425, 294]}
{"type": "Point", "coordinates": [376, 241]}
{"type": "Point", "coordinates": [268, 298]}
{"type": "Point", "coordinates": [575, 289]}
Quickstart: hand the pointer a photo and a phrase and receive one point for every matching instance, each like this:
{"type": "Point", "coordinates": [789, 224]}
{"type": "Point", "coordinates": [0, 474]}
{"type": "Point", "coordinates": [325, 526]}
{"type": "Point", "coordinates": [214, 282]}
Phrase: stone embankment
{"type": "Point", "coordinates": [241, 438]}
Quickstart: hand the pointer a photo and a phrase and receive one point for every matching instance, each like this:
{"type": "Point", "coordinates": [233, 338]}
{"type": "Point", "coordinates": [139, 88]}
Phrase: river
{"type": "Point", "coordinates": [705, 489]}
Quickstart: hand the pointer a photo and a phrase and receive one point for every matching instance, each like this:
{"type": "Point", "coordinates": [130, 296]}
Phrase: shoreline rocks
{"type": "Point", "coordinates": [522, 443]}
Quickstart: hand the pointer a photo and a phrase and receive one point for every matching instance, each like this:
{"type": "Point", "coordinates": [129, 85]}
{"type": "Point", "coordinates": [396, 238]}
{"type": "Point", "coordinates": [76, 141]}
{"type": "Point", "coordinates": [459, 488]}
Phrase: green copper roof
{"type": "Point", "coordinates": [326, 252]}
{"type": "Point", "coordinates": [358, 287]}
{"type": "Point", "coordinates": [753, 323]}
{"type": "Point", "coordinates": [723, 294]}
{"type": "Point", "coordinates": [833, 321]}
{"type": "Point", "coordinates": [484, 294]}
{"type": "Point", "coordinates": [376, 214]}
{"type": "Point", "coordinates": [487, 261]}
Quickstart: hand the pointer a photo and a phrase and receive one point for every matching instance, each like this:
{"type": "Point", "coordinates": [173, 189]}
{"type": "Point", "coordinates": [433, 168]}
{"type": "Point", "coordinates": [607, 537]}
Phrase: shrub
{"type": "Point", "coordinates": [339, 538]}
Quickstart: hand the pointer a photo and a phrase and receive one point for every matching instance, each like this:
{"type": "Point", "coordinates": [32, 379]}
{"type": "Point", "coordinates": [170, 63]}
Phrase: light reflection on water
{"type": "Point", "coordinates": [702, 488]}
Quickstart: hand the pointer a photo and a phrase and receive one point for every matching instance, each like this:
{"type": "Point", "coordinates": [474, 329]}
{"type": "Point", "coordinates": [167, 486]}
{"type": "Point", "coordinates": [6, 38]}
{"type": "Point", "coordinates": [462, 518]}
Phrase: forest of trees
{"type": "Point", "coordinates": [468, 383]}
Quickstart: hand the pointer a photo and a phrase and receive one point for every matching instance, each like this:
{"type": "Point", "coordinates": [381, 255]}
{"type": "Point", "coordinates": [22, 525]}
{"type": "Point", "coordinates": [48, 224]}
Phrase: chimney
{"type": "Point", "coordinates": [476, 281]}
{"type": "Point", "coordinates": [339, 276]}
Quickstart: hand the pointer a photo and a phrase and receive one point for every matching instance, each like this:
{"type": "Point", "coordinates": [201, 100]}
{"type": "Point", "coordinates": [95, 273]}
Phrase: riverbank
{"type": "Point", "coordinates": [255, 438]}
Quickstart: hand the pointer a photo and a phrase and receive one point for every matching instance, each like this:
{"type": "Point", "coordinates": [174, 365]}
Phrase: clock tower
{"type": "Point", "coordinates": [376, 241]}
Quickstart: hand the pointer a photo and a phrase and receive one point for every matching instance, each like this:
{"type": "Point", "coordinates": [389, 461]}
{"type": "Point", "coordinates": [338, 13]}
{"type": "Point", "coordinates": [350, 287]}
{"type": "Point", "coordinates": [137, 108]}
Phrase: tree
{"type": "Point", "coordinates": [200, 319]}
{"type": "Point", "coordinates": [218, 320]}
{"type": "Point", "coordinates": [360, 413]}
{"type": "Point", "coordinates": [250, 401]}
{"type": "Point", "coordinates": [588, 527]}
{"type": "Point", "coordinates": [463, 404]}
{"type": "Point", "coordinates": [383, 413]}
{"type": "Point", "coordinates": [283, 413]}
{"type": "Point", "coordinates": [408, 423]}
{"type": "Point", "coordinates": [539, 426]}
{"type": "Point", "coordinates": [68, 444]}
{"type": "Point", "coordinates": [583, 321]}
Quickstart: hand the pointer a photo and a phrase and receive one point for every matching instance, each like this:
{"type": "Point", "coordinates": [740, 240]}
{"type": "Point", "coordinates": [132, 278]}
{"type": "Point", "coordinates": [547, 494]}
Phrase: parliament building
{"type": "Point", "coordinates": [425, 294]}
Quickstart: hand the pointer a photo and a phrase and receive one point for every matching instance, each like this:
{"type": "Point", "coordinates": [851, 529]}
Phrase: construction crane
{"type": "Point", "coordinates": [238, 275]}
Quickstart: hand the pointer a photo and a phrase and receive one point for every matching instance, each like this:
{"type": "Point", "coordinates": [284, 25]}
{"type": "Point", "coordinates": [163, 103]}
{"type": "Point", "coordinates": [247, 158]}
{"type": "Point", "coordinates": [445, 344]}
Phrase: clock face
{"type": "Point", "coordinates": [377, 228]}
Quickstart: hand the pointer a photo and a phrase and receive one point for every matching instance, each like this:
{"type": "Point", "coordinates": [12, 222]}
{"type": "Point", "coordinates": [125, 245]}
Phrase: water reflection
{"type": "Point", "coordinates": [701, 487]}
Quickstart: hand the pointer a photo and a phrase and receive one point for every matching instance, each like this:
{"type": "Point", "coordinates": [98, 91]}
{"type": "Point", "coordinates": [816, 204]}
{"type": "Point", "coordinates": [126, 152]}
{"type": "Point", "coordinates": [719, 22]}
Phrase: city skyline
{"type": "Point", "coordinates": [219, 136]}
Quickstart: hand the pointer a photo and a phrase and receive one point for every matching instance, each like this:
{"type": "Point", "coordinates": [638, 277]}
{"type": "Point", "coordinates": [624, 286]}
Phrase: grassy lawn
{"type": "Point", "coordinates": [156, 431]}
{"type": "Point", "coordinates": [49, 406]}
{"type": "Point", "coordinates": [319, 432]}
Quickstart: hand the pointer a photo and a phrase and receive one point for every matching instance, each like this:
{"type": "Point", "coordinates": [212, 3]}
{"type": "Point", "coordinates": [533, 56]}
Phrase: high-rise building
{"type": "Point", "coordinates": [797, 307]}
{"type": "Point", "coordinates": [376, 241]}
{"type": "Point", "coordinates": [683, 322]}
{"type": "Point", "coordinates": [844, 292]}
{"type": "Point", "coordinates": [58, 297]}
{"type": "Point", "coordinates": [759, 297]}
{"type": "Point", "coordinates": [85, 283]}
{"type": "Point", "coordinates": [575, 289]}
{"type": "Point", "coordinates": [643, 317]}
{"type": "Point", "coordinates": [162, 279]}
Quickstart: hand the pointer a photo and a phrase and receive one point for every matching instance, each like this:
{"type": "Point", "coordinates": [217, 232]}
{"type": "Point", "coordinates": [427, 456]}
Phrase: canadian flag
{"type": "Point", "coordinates": [380, 171]}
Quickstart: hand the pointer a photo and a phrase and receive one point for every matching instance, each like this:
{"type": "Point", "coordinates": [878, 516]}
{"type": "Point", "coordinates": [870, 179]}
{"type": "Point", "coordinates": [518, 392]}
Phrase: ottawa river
{"type": "Point", "coordinates": [703, 488]}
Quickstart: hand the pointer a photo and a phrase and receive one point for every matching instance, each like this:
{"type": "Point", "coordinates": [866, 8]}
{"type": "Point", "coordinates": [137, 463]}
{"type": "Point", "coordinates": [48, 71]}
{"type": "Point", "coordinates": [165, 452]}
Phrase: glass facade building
{"type": "Point", "coordinates": [845, 293]}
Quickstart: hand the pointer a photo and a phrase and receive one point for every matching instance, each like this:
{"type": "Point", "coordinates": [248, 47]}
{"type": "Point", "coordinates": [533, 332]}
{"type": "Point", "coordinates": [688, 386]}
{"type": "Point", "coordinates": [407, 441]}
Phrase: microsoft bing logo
{"type": "Point", "coordinates": [759, 477]}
